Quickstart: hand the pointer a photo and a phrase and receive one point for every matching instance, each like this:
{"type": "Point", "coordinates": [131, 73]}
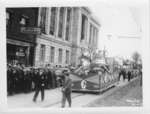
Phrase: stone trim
{"type": "Point", "coordinates": [19, 43]}
{"type": "Point", "coordinates": [56, 40]}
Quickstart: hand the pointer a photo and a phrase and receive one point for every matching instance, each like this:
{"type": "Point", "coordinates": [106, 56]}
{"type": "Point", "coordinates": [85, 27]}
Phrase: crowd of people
{"type": "Point", "coordinates": [129, 73]}
{"type": "Point", "coordinates": [27, 79]}
{"type": "Point", "coordinates": [23, 79]}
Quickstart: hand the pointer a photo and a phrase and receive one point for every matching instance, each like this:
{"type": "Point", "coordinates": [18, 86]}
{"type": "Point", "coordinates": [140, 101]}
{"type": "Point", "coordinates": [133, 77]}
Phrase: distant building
{"type": "Point", "coordinates": [20, 45]}
{"type": "Point", "coordinates": [67, 32]}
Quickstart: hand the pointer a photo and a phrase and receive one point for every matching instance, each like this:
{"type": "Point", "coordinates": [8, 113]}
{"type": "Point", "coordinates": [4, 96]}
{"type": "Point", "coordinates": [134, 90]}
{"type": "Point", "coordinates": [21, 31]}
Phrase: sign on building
{"type": "Point", "coordinates": [30, 30]}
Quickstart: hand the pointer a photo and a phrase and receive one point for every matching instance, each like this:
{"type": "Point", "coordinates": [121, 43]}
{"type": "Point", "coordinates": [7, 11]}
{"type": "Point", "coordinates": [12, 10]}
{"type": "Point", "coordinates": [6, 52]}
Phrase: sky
{"type": "Point", "coordinates": [120, 32]}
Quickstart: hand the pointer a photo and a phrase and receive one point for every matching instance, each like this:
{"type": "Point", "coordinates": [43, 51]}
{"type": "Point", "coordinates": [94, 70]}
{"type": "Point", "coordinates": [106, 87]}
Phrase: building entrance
{"type": "Point", "coordinates": [19, 55]}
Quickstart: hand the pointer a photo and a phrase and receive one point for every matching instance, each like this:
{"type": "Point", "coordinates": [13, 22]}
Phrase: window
{"type": "Point", "coordinates": [90, 40]}
{"type": "Point", "coordinates": [23, 21]}
{"type": "Point", "coordinates": [10, 20]}
{"type": "Point", "coordinates": [60, 56]}
{"type": "Point", "coordinates": [53, 20]}
{"type": "Point", "coordinates": [68, 24]}
{"type": "Point", "coordinates": [96, 31]}
{"type": "Point", "coordinates": [67, 57]}
{"type": "Point", "coordinates": [7, 18]}
{"type": "Point", "coordinates": [52, 56]}
{"type": "Point", "coordinates": [42, 52]}
{"type": "Point", "coordinates": [43, 19]}
{"type": "Point", "coordinates": [61, 22]}
{"type": "Point", "coordinates": [94, 35]}
{"type": "Point", "coordinates": [83, 27]}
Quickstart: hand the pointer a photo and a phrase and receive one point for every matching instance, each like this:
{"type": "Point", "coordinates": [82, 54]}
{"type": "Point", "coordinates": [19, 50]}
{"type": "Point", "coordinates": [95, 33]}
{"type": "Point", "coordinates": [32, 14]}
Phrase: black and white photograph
{"type": "Point", "coordinates": [74, 56]}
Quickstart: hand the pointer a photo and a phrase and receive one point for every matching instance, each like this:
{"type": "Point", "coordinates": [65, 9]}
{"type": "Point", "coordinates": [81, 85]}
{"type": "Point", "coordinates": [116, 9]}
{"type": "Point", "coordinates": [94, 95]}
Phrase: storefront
{"type": "Point", "coordinates": [19, 52]}
{"type": "Point", "coordinates": [21, 31]}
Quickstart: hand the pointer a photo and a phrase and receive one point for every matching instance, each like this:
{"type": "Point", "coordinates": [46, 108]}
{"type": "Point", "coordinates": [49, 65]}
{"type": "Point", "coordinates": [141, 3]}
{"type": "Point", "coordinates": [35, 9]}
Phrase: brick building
{"type": "Point", "coordinates": [67, 32]}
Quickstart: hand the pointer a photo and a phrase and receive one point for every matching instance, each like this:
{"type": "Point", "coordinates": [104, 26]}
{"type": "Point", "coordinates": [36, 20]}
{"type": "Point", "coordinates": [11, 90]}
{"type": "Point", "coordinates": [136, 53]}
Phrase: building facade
{"type": "Point", "coordinates": [67, 32]}
{"type": "Point", "coordinates": [20, 45]}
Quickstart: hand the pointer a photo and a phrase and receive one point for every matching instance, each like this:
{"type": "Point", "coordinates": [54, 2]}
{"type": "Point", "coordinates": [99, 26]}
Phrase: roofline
{"type": "Point", "coordinates": [93, 19]}
{"type": "Point", "coordinates": [87, 9]}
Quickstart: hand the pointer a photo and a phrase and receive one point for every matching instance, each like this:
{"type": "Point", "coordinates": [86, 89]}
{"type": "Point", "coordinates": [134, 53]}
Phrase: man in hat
{"type": "Point", "coordinates": [129, 74]}
{"type": "Point", "coordinates": [40, 85]}
{"type": "Point", "coordinates": [66, 89]}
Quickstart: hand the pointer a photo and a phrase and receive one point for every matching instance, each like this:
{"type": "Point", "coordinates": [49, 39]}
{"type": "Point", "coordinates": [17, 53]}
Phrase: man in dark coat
{"type": "Point", "coordinates": [20, 78]}
{"type": "Point", "coordinates": [49, 78]}
{"type": "Point", "coordinates": [122, 73]}
{"type": "Point", "coordinates": [14, 80]}
{"type": "Point", "coordinates": [39, 85]}
{"type": "Point", "coordinates": [66, 89]}
{"type": "Point", "coordinates": [129, 75]}
{"type": "Point", "coordinates": [25, 81]}
{"type": "Point", "coordinates": [9, 80]}
{"type": "Point", "coordinates": [53, 75]}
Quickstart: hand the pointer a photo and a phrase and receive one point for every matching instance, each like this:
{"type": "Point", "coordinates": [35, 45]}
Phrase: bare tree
{"type": "Point", "coordinates": [137, 61]}
{"type": "Point", "coordinates": [136, 57]}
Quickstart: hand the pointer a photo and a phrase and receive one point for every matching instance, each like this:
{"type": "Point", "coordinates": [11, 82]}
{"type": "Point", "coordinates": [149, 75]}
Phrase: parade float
{"type": "Point", "coordinates": [94, 76]}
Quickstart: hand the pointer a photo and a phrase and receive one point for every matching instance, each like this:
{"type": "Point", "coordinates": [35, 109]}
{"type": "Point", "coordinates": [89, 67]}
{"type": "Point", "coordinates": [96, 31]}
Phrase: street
{"type": "Point", "coordinates": [124, 94]}
{"type": "Point", "coordinates": [129, 95]}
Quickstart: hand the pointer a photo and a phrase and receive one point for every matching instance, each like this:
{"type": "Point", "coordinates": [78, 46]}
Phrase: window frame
{"type": "Point", "coordinates": [60, 55]}
{"type": "Point", "coordinates": [42, 52]}
{"type": "Point", "coordinates": [68, 24]}
{"type": "Point", "coordinates": [52, 55]}
{"type": "Point", "coordinates": [53, 20]}
{"type": "Point", "coordinates": [67, 57]}
{"type": "Point", "coordinates": [43, 13]}
{"type": "Point", "coordinates": [61, 22]}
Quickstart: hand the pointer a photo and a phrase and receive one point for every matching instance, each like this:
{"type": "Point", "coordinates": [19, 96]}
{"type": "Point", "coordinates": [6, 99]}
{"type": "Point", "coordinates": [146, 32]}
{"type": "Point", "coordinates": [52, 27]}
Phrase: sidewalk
{"type": "Point", "coordinates": [52, 97]}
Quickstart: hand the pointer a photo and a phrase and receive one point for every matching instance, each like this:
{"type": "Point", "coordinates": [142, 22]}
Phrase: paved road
{"type": "Point", "coordinates": [124, 94]}
{"type": "Point", "coordinates": [130, 95]}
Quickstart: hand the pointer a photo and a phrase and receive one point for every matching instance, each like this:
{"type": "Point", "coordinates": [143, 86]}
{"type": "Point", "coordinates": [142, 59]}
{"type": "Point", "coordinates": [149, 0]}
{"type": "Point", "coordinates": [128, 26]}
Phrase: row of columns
{"type": "Point", "coordinates": [47, 57]}
{"type": "Point", "coordinates": [47, 25]}
{"type": "Point", "coordinates": [91, 32]}
{"type": "Point", "coordinates": [93, 38]}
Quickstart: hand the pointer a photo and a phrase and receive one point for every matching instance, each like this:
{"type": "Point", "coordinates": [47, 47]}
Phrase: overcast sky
{"type": "Point", "coordinates": [120, 31]}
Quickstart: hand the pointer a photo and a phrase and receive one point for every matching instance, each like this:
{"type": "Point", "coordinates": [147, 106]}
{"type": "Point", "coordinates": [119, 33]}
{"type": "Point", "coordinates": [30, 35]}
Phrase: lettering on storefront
{"type": "Point", "coordinates": [30, 30]}
{"type": "Point", "coordinates": [20, 52]}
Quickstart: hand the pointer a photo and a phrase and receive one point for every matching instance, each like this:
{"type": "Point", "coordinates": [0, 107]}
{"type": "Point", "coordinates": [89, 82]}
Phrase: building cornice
{"type": "Point", "coordinates": [95, 21]}
{"type": "Point", "coordinates": [87, 9]}
{"type": "Point", "coordinates": [18, 43]}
